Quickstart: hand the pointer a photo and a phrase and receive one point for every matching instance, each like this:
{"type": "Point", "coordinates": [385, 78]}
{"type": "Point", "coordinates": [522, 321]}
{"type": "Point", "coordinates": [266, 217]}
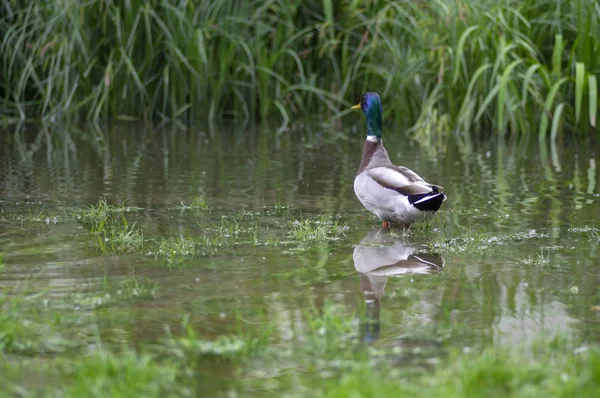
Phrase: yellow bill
{"type": "Point", "coordinates": [355, 107]}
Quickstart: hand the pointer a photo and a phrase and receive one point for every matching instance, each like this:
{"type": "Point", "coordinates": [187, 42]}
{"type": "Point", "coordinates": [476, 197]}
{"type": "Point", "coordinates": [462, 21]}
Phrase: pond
{"type": "Point", "coordinates": [128, 232]}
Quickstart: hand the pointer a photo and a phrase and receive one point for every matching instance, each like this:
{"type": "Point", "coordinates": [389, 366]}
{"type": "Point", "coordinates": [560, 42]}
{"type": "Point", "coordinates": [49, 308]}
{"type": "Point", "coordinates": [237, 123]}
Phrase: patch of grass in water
{"type": "Point", "coordinates": [307, 233]}
{"type": "Point", "coordinates": [129, 290]}
{"type": "Point", "coordinates": [25, 334]}
{"type": "Point", "coordinates": [118, 236]}
{"type": "Point", "coordinates": [593, 233]}
{"type": "Point", "coordinates": [113, 231]}
{"type": "Point", "coordinates": [231, 229]}
{"type": "Point", "coordinates": [332, 335]}
{"type": "Point", "coordinates": [115, 234]}
{"type": "Point", "coordinates": [176, 250]}
{"type": "Point", "coordinates": [192, 347]}
{"type": "Point", "coordinates": [279, 209]}
{"type": "Point", "coordinates": [423, 229]}
{"type": "Point", "coordinates": [102, 212]}
{"type": "Point", "coordinates": [325, 357]}
{"type": "Point", "coordinates": [229, 232]}
{"type": "Point", "coordinates": [37, 216]}
{"type": "Point", "coordinates": [247, 215]}
{"type": "Point", "coordinates": [29, 326]}
{"type": "Point", "coordinates": [478, 242]}
{"type": "Point", "coordinates": [106, 374]}
{"type": "Point", "coordinates": [198, 204]}
{"type": "Point", "coordinates": [540, 260]}
{"type": "Point", "coordinates": [316, 231]}
{"type": "Point", "coordinates": [499, 372]}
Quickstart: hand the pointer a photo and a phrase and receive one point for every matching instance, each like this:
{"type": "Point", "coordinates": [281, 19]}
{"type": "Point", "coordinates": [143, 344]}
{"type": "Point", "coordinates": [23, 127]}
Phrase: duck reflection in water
{"type": "Point", "coordinates": [380, 255]}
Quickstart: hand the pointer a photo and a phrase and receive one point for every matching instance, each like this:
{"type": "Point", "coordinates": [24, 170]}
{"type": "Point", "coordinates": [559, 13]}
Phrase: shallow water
{"type": "Point", "coordinates": [512, 255]}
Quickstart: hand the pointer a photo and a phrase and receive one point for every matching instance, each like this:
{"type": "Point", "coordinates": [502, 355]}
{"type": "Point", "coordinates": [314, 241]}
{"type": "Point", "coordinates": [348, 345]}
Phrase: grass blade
{"type": "Point", "coordinates": [579, 81]}
{"type": "Point", "coordinates": [593, 90]}
{"type": "Point", "coordinates": [557, 55]}
{"type": "Point", "coordinates": [502, 93]}
{"type": "Point", "coordinates": [547, 105]}
{"type": "Point", "coordinates": [556, 118]}
{"type": "Point", "coordinates": [458, 56]}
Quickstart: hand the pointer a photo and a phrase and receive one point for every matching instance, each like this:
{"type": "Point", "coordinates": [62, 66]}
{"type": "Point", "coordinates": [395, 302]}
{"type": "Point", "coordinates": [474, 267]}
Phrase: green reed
{"type": "Point", "coordinates": [445, 65]}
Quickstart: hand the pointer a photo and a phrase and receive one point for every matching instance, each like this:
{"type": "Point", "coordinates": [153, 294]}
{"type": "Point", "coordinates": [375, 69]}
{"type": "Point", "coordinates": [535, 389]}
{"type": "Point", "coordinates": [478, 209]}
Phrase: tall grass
{"type": "Point", "coordinates": [469, 66]}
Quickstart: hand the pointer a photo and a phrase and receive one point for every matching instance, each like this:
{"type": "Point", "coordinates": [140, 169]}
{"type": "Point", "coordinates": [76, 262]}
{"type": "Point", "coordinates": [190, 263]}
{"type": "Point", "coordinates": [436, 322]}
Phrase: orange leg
{"type": "Point", "coordinates": [386, 224]}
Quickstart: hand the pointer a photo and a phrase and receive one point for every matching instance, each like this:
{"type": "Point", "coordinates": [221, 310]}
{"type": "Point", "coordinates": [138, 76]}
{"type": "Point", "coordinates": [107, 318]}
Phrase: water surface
{"type": "Point", "coordinates": [512, 255]}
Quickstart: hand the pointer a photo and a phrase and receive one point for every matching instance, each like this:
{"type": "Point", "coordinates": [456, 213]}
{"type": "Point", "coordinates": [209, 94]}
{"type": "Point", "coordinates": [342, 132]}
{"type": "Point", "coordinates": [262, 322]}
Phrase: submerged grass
{"type": "Point", "coordinates": [315, 231]}
{"type": "Point", "coordinates": [176, 250]}
{"type": "Point", "coordinates": [525, 67]}
{"type": "Point", "coordinates": [105, 374]}
{"type": "Point", "coordinates": [332, 335]}
{"type": "Point", "coordinates": [243, 229]}
{"type": "Point", "coordinates": [192, 348]}
{"type": "Point", "coordinates": [127, 291]}
{"type": "Point", "coordinates": [559, 370]}
{"type": "Point", "coordinates": [324, 358]}
{"type": "Point", "coordinates": [119, 237]}
{"type": "Point", "coordinates": [97, 215]}
{"type": "Point", "coordinates": [197, 204]}
{"type": "Point", "coordinates": [113, 231]}
{"type": "Point", "coordinates": [26, 333]}
{"type": "Point", "coordinates": [36, 216]}
{"type": "Point", "coordinates": [38, 325]}
{"type": "Point", "coordinates": [100, 374]}
{"type": "Point", "coordinates": [471, 241]}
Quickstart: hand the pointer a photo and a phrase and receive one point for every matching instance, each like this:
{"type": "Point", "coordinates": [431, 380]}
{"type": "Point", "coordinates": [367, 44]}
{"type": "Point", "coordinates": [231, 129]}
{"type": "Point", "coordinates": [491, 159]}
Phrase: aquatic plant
{"type": "Point", "coordinates": [279, 209]}
{"type": "Point", "coordinates": [26, 333]}
{"type": "Point", "coordinates": [109, 225]}
{"type": "Point", "coordinates": [316, 230]}
{"type": "Point", "coordinates": [193, 348]}
{"type": "Point", "coordinates": [126, 374]}
{"type": "Point", "coordinates": [539, 260]}
{"type": "Point", "coordinates": [231, 229]}
{"type": "Point", "coordinates": [524, 67]}
{"type": "Point", "coordinates": [509, 371]}
{"type": "Point", "coordinates": [97, 215]}
{"type": "Point", "coordinates": [198, 204]}
{"type": "Point", "coordinates": [126, 291]}
{"type": "Point", "coordinates": [175, 251]}
{"type": "Point", "coordinates": [332, 334]}
{"type": "Point", "coordinates": [325, 357]}
{"type": "Point", "coordinates": [472, 241]}
{"type": "Point", "coordinates": [229, 232]}
{"type": "Point", "coordinates": [119, 236]}
{"type": "Point", "coordinates": [38, 215]}
{"type": "Point", "coordinates": [422, 229]}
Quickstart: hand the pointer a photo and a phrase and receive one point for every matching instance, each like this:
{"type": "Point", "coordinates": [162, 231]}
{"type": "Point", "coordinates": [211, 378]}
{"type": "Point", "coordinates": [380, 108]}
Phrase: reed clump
{"type": "Point", "coordinates": [443, 65]}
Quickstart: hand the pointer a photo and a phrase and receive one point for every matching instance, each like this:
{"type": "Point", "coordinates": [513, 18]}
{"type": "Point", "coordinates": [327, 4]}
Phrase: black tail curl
{"type": "Point", "coordinates": [427, 201]}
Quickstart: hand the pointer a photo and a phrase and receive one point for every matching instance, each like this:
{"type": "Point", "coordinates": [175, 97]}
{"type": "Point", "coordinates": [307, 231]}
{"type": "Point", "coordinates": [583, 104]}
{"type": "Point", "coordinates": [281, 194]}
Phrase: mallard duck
{"type": "Point", "coordinates": [395, 194]}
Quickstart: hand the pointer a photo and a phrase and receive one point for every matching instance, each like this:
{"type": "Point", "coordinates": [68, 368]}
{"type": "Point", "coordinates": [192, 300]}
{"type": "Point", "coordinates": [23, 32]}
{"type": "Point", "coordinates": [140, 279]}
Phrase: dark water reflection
{"type": "Point", "coordinates": [518, 238]}
{"type": "Point", "coordinates": [378, 257]}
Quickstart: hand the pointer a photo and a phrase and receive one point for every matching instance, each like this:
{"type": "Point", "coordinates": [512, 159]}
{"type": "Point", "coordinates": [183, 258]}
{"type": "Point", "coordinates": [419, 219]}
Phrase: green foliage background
{"type": "Point", "coordinates": [465, 65]}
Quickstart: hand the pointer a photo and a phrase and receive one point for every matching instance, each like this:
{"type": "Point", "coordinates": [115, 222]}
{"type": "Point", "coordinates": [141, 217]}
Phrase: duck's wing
{"type": "Point", "coordinates": [414, 176]}
{"type": "Point", "coordinates": [400, 179]}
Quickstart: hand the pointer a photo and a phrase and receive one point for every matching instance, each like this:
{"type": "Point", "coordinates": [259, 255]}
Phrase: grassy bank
{"type": "Point", "coordinates": [528, 67]}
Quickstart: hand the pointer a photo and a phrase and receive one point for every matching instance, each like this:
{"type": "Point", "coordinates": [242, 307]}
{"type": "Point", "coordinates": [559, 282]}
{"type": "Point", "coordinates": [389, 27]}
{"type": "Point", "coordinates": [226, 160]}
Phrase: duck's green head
{"type": "Point", "coordinates": [370, 103]}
